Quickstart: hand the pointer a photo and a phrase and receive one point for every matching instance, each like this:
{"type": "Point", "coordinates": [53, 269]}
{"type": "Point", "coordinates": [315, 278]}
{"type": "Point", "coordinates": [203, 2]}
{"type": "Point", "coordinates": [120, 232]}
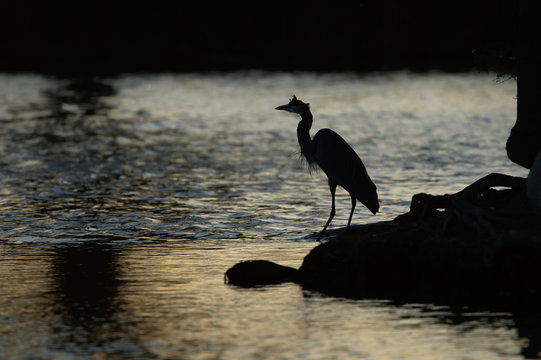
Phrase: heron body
{"type": "Point", "coordinates": [336, 158]}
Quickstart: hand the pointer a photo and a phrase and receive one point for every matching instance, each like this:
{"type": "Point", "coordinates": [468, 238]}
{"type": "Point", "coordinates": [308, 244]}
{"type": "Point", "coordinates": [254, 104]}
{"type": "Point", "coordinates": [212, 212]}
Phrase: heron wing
{"type": "Point", "coordinates": [344, 167]}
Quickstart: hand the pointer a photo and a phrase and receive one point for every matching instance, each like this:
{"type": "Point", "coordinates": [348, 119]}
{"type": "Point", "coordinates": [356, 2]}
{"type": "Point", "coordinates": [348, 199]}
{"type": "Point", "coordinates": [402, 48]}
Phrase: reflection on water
{"type": "Point", "coordinates": [164, 300]}
{"type": "Point", "coordinates": [123, 201]}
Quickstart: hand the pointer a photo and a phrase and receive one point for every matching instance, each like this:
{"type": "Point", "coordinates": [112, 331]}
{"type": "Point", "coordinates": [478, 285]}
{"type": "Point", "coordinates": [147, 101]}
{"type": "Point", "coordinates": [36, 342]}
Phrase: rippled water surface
{"type": "Point", "coordinates": [124, 200]}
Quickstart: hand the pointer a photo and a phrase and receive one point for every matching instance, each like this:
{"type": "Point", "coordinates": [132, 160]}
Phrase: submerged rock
{"type": "Point", "coordinates": [480, 245]}
{"type": "Point", "coordinates": [260, 272]}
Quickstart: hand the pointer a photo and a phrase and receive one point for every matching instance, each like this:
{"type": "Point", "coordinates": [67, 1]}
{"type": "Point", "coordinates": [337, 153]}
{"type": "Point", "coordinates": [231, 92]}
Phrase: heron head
{"type": "Point", "coordinates": [295, 106]}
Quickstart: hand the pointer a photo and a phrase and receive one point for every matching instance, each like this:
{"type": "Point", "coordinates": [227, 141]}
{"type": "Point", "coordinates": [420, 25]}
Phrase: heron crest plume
{"type": "Point", "coordinates": [294, 101]}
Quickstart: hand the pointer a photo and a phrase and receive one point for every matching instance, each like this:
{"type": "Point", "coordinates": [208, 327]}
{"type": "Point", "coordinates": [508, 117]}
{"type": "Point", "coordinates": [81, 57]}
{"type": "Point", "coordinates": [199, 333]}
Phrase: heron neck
{"type": "Point", "coordinates": [303, 135]}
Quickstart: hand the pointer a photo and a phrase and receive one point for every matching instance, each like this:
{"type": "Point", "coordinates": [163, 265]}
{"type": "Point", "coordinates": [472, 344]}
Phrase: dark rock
{"type": "Point", "coordinates": [259, 272]}
{"type": "Point", "coordinates": [480, 246]}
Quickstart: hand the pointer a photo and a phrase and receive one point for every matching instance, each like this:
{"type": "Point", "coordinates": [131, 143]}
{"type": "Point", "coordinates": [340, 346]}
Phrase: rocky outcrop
{"type": "Point", "coordinates": [480, 245]}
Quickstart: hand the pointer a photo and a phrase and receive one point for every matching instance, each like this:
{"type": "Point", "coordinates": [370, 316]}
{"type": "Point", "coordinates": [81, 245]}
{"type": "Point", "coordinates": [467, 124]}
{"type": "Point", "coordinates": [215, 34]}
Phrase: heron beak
{"type": "Point", "coordinates": [282, 107]}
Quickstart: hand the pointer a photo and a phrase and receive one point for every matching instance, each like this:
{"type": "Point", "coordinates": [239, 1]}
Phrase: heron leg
{"type": "Point", "coordinates": [332, 187]}
{"type": "Point", "coordinates": [353, 203]}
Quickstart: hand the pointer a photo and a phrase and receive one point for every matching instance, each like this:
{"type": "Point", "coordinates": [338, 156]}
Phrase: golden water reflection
{"type": "Point", "coordinates": [182, 309]}
{"type": "Point", "coordinates": [168, 300]}
{"type": "Point", "coordinates": [122, 210]}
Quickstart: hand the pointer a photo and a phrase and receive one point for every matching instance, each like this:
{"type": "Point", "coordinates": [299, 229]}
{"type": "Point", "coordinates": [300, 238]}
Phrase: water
{"type": "Point", "coordinates": [123, 202]}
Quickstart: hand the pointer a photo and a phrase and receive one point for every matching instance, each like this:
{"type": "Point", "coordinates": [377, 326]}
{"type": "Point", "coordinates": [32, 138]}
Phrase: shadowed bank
{"type": "Point", "coordinates": [98, 38]}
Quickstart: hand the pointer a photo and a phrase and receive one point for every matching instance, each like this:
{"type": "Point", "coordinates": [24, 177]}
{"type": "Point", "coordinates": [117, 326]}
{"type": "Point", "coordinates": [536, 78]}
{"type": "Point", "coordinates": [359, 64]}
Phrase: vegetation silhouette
{"type": "Point", "coordinates": [370, 35]}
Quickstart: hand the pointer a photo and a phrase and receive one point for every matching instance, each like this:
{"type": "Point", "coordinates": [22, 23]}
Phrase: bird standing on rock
{"type": "Point", "coordinates": [336, 158]}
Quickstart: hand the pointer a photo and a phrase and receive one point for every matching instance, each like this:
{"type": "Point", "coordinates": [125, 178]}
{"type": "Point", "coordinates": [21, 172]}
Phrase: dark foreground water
{"type": "Point", "coordinates": [123, 201]}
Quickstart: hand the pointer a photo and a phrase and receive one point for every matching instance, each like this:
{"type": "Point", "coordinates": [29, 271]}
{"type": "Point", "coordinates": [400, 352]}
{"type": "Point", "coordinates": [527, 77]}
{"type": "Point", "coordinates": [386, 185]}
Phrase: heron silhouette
{"type": "Point", "coordinates": [336, 158]}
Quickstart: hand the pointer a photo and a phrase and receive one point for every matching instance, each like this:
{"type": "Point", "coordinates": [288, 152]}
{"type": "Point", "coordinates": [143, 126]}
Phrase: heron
{"type": "Point", "coordinates": [336, 158]}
